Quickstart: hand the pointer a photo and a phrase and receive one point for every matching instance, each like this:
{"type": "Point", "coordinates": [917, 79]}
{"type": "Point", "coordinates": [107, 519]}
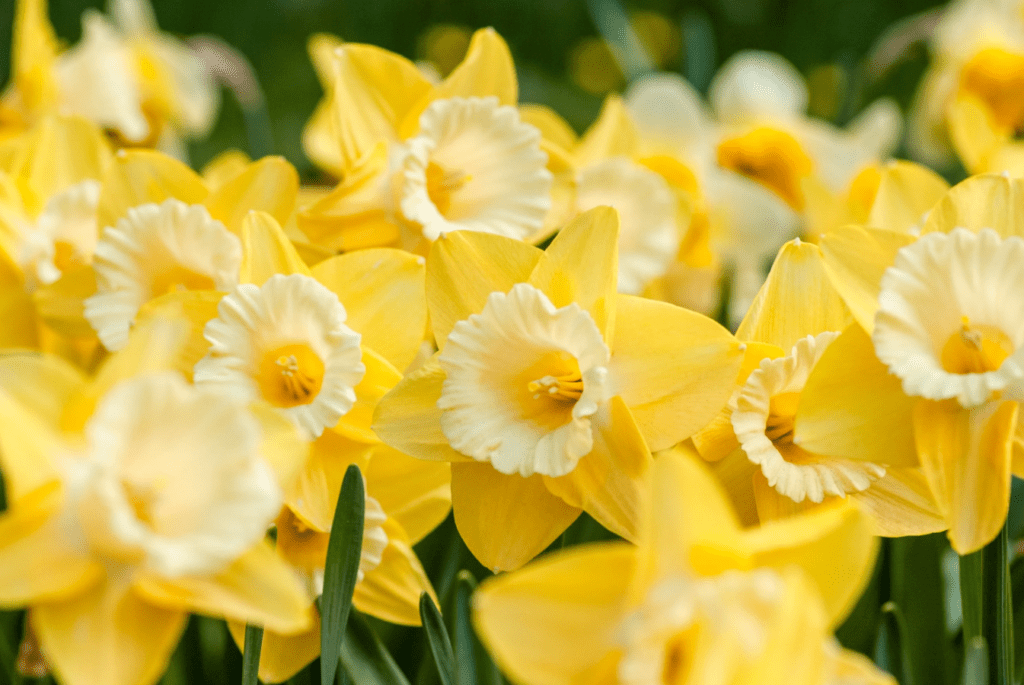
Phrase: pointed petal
{"type": "Point", "coordinates": [59, 152]}
{"type": "Point", "coordinates": [391, 591]}
{"type": "Point", "coordinates": [991, 201]}
{"type": "Point", "coordinates": [379, 379]}
{"type": "Point", "coordinates": [902, 504]}
{"type": "Point", "coordinates": [140, 176]}
{"type": "Point", "coordinates": [675, 369]}
{"type": "Point", "coordinates": [39, 560]}
{"type": "Point", "coordinates": [855, 259]}
{"type": "Point", "coordinates": [906, 193]}
{"type": "Point", "coordinates": [486, 70]}
{"type": "Point", "coordinates": [224, 167]}
{"type": "Point", "coordinates": [257, 588]}
{"type": "Point", "coordinates": [834, 544]}
{"type": "Point", "coordinates": [407, 418]}
{"type": "Point", "coordinates": [972, 133]}
{"type": "Point", "coordinates": [34, 54]}
{"type": "Point", "coordinates": [465, 267]}
{"type": "Point", "coordinates": [853, 408]}
{"type": "Point", "coordinates": [506, 520]}
{"type": "Point", "coordinates": [795, 301]}
{"type": "Point", "coordinates": [384, 293]}
{"type": "Point", "coordinates": [555, 620]}
{"type": "Point", "coordinates": [417, 494]}
{"type": "Point", "coordinates": [966, 455]}
{"type": "Point", "coordinates": [269, 185]}
{"type": "Point", "coordinates": [28, 445]}
{"type": "Point", "coordinates": [373, 91]}
{"type": "Point", "coordinates": [552, 127]}
{"type": "Point", "coordinates": [110, 633]}
{"type": "Point", "coordinates": [613, 134]}
{"type": "Point", "coordinates": [581, 266]}
{"type": "Point", "coordinates": [313, 495]}
{"type": "Point", "coordinates": [267, 250]}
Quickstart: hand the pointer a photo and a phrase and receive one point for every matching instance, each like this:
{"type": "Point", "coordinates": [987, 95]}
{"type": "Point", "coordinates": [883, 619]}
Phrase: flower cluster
{"type": "Point", "coordinates": [496, 318]}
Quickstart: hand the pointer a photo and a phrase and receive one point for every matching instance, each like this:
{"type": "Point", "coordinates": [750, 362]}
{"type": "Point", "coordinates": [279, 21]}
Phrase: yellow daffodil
{"type": "Point", "coordinates": [792, 323]}
{"type": "Point", "coordinates": [931, 371]}
{"type": "Point", "coordinates": [134, 499]}
{"type": "Point", "coordinates": [699, 601]}
{"type": "Point", "coordinates": [417, 159]}
{"type": "Point", "coordinates": [549, 387]}
{"type": "Point", "coordinates": [144, 85]}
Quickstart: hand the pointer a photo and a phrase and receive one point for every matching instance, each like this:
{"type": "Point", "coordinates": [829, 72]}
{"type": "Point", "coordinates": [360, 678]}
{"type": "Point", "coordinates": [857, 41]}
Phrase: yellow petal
{"type": "Point", "coordinates": [902, 504]}
{"type": "Point", "coordinates": [257, 588]}
{"type": "Point", "coordinates": [60, 152]}
{"type": "Point", "coordinates": [408, 419]}
{"type": "Point", "coordinates": [197, 307]}
{"type": "Point", "coordinates": [224, 167]}
{"type": "Point", "coordinates": [965, 455]}
{"type": "Point", "coordinates": [853, 667]}
{"type": "Point", "coordinates": [267, 250]}
{"type": "Point", "coordinates": [465, 267]}
{"type": "Point", "coordinates": [140, 176]}
{"type": "Point", "coordinates": [269, 185]}
{"type": "Point", "coordinates": [991, 201]}
{"type": "Point", "coordinates": [795, 301]}
{"type": "Point", "coordinates": [20, 322]}
{"type": "Point", "coordinates": [855, 259]}
{"type": "Point", "coordinates": [581, 266]}
{"type": "Point", "coordinates": [675, 369]}
{"type": "Point", "coordinates": [33, 55]}
{"type": "Point", "coordinates": [391, 591]}
{"type": "Point", "coordinates": [486, 70]}
{"type": "Point", "coordinates": [40, 383]}
{"type": "Point", "coordinates": [380, 377]}
{"type": "Point", "coordinates": [772, 506]}
{"type": "Point", "coordinates": [110, 635]}
{"type": "Point", "coordinates": [973, 134]}
{"type": "Point", "coordinates": [39, 560]}
{"type": "Point", "coordinates": [609, 483]}
{"type": "Point", "coordinates": [282, 656]}
{"type": "Point", "coordinates": [613, 134]}
{"type": "Point", "coordinates": [61, 304]}
{"type": "Point", "coordinates": [555, 620]}
{"type": "Point", "coordinates": [383, 291]}
{"type": "Point", "coordinates": [417, 494]}
{"type": "Point", "coordinates": [552, 127]}
{"type": "Point", "coordinates": [321, 47]}
{"type": "Point", "coordinates": [313, 495]}
{"type": "Point", "coordinates": [282, 446]}
{"type": "Point", "coordinates": [736, 474]}
{"type": "Point", "coordinates": [28, 445]}
{"type": "Point", "coordinates": [906, 192]}
{"type": "Point", "coordinates": [506, 520]}
{"type": "Point", "coordinates": [853, 408]}
{"type": "Point", "coordinates": [834, 544]}
{"type": "Point", "coordinates": [373, 91]}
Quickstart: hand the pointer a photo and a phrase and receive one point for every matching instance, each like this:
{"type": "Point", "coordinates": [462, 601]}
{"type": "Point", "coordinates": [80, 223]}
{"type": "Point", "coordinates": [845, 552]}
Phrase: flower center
{"type": "Point", "coordinates": [678, 656]}
{"type": "Point", "coordinates": [178, 278]}
{"type": "Point", "coordinates": [568, 386]}
{"type": "Point", "coordinates": [975, 349]}
{"type": "Point", "coordinates": [441, 184]}
{"type": "Point", "coordinates": [781, 413]}
{"type": "Point", "coordinates": [996, 77]}
{"type": "Point", "coordinates": [291, 375]}
{"type": "Point", "coordinates": [770, 157]}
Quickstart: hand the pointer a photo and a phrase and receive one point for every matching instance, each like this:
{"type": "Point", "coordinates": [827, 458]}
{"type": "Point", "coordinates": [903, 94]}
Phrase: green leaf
{"type": "Point", "coordinates": [917, 587]}
{"type": "Point", "coordinates": [465, 657]}
{"type": "Point", "coordinates": [987, 604]}
{"type": "Point", "coordinates": [976, 662]}
{"type": "Point", "coordinates": [364, 657]}
{"type": "Point", "coordinates": [251, 654]}
{"type": "Point", "coordinates": [344, 549]}
{"type": "Point", "coordinates": [891, 651]}
{"type": "Point", "coordinates": [437, 636]}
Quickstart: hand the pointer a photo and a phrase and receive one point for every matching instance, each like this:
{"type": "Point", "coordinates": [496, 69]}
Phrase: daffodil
{"type": "Point", "coordinates": [135, 498]}
{"type": "Point", "coordinates": [793, 322]}
{"type": "Point", "coordinates": [125, 76]}
{"type": "Point", "coordinates": [418, 159]}
{"type": "Point", "coordinates": [698, 601]}
{"type": "Point", "coordinates": [930, 373]}
{"type": "Point", "coordinates": [549, 387]}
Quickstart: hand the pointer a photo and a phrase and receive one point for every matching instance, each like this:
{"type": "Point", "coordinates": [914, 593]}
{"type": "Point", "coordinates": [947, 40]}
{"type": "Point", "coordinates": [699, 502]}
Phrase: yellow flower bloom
{"type": "Point", "coordinates": [549, 387]}
{"type": "Point", "coordinates": [937, 380]}
{"type": "Point", "coordinates": [135, 499]}
{"type": "Point", "coordinates": [699, 601]}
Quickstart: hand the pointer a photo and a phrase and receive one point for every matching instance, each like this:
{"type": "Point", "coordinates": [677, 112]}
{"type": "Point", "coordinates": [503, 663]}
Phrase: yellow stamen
{"type": "Point", "coordinates": [781, 413]}
{"type": "Point", "coordinates": [772, 158]}
{"type": "Point", "coordinates": [678, 655]}
{"type": "Point", "coordinates": [291, 375]}
{"type": "Point", "coordinates": [441, 184]}
{"type": "Point", "coordinates": [565, 387]}
{"type": "Point", "coordinates": [975, 349]}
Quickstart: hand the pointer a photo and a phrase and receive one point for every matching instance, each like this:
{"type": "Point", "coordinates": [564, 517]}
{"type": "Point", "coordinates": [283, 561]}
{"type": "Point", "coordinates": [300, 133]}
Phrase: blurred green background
{"type": "Point", "coordinates": [851, 50]}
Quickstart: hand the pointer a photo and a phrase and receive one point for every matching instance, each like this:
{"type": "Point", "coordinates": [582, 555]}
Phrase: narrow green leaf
{"type": "Point", "coordinates": [976, 662]}
{"type": "Point", "coordinates": [918, 589]}
{"type": "Point", "coordinates": [465, 658]}
{"type": "Point", "coordinates": [891, 651]}
{"type": "Point", "coordinates": [971, 583]}
{"type": "Point", "coordinates": [437, 636]}
{"type": "Point", "coordinates": [251, 654]}
{"type": "Point", "coordinates": [1017, 590]}
{"type": "Point", "coordinates": [988, 606]}
{"type": "Point", "coordinates": [364, 657]}
{"type": "Point", "coordinates": [344, 549]}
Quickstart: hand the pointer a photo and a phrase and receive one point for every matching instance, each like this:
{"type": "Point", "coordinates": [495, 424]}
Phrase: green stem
{"type": "Point", "coordinates": [987, 605]}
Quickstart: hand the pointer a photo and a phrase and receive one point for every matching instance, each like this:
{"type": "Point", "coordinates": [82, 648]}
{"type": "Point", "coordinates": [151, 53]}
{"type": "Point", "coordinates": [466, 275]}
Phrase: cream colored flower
{"type": "Point", "coordinates": [950, 322]}
{"type": "Point", "coordinates": [287, 343]}
{"type": "Point", "coordinates": [171, 480]}
{"type": "Point", "coordinates": [64, 235]}
{"type": "Point", "coordinates": [154, 250]}
{"type": "Point", "coordinates": [763, 419]}
{"type": "Point", "coordinates": [475, 166]}
{"type": "Point", "coordinates": [523, 380]}
{"type": "Point", "coordinates": [648, 237]}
